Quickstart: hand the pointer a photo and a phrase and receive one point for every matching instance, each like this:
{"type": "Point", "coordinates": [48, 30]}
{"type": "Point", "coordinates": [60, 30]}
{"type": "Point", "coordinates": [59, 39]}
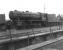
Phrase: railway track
{"type": "Point", "coordinates": [25, 37]}
{"type": "Point", "coordinates": [43, 44]}
{"type": "Point", "coordinates": [22, 34]}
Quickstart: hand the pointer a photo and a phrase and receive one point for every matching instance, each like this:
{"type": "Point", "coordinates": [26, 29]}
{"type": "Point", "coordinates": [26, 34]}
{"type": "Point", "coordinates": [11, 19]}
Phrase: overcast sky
{"type": "Point", "coordinates": [51, 6]}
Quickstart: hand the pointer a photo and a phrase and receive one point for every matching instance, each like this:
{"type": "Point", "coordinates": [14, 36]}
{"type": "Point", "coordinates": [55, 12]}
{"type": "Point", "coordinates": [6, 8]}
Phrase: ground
{"type": "Point", "coordinates": [54, 46]}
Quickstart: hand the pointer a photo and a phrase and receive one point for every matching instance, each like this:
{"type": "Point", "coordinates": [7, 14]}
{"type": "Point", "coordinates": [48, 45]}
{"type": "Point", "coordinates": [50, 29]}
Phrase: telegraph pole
{"type": "Point", "coordinates": [44, 6]}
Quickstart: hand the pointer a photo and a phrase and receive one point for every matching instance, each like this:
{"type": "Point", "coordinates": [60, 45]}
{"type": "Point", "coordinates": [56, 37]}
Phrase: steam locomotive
{"type": "Point", "coordinates": [22, 20]}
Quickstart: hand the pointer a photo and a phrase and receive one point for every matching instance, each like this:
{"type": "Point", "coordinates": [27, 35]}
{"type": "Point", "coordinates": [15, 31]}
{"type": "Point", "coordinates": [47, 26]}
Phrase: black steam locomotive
{"type": "Point", "coordinates": [21, 20]}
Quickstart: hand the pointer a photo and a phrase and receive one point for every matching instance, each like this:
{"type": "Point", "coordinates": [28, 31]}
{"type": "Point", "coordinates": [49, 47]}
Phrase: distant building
{"type": "Point", "coordinates": [52, 18]}
{"type": "Point", "coordinates": [60, 17]}
{"type": "Point", "coordinates": [2, 18]}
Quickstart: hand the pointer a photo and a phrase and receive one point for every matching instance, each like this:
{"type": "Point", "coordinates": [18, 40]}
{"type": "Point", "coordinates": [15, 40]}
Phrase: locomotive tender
{"type": "Point", "coordinates": [32, 20]}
